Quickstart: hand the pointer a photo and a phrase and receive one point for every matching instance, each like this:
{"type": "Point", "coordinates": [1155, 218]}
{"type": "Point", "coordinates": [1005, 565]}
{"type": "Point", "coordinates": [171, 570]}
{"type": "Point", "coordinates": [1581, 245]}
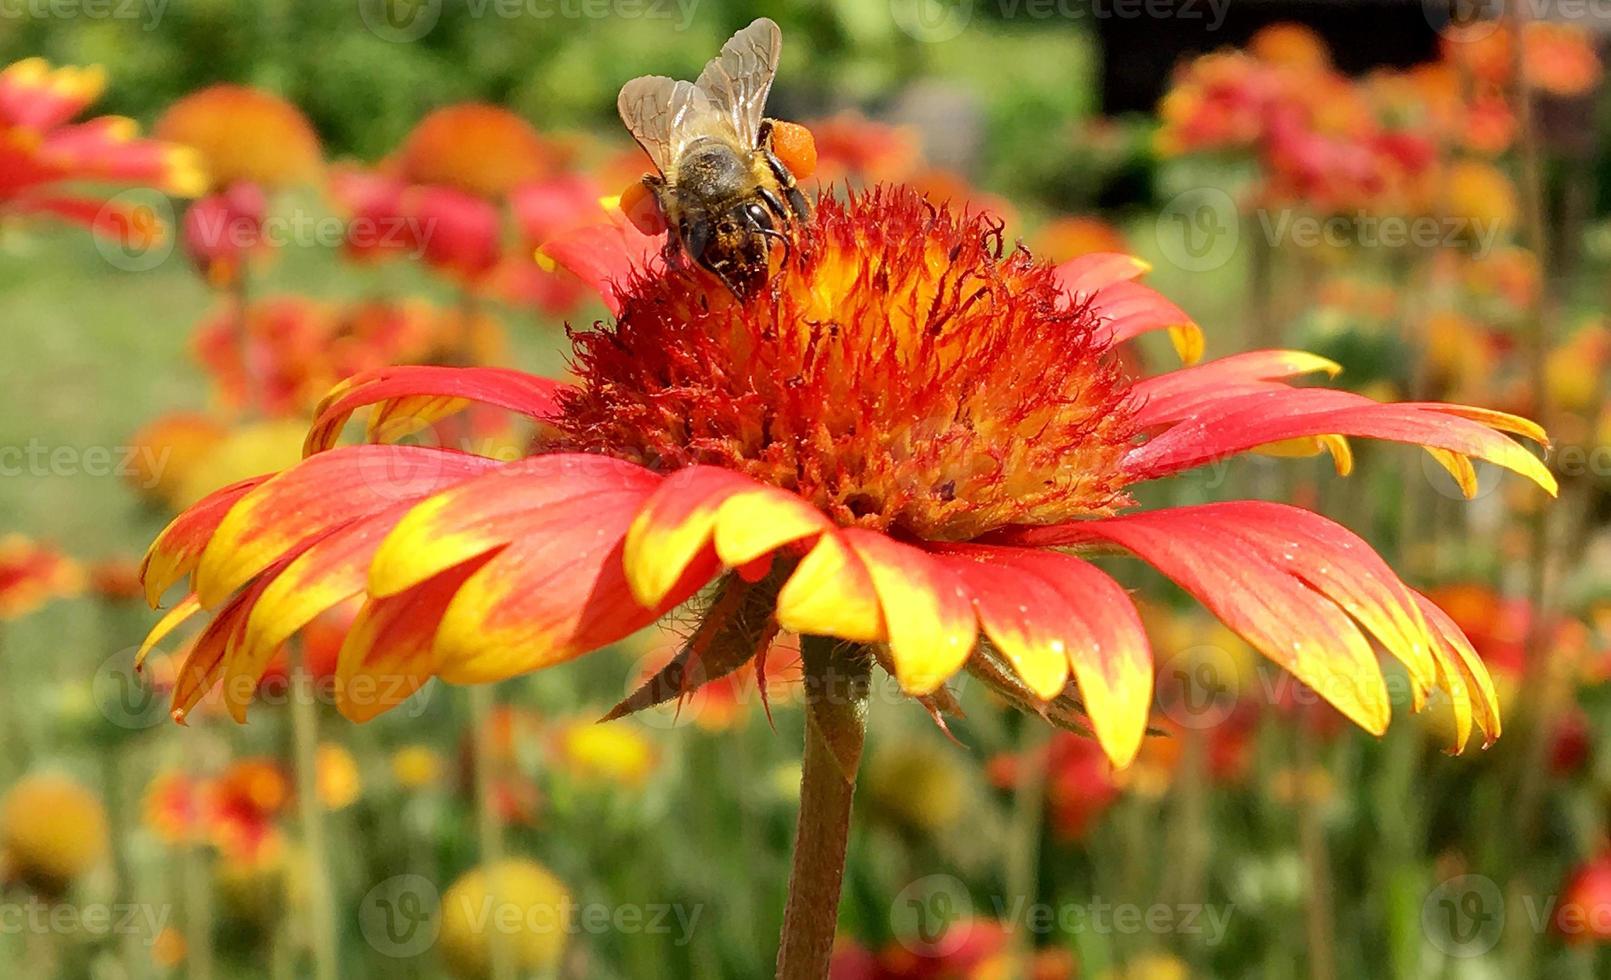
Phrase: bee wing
{"type": "Point", "coordinates": [737, 80]}
{"type": "Point", "coordinates": [662, 113]}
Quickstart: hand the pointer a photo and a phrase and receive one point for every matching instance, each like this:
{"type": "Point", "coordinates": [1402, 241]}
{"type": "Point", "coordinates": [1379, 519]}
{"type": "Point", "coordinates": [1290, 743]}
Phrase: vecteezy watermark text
{"type": "Point", "coordinates": [147, 12]}
{"type": "Point", "coordinates": [1362, 230]}
{"type": "Point", "coordinates": [35, 458]}
{"type": "Point", "coordinates": [34, 917]}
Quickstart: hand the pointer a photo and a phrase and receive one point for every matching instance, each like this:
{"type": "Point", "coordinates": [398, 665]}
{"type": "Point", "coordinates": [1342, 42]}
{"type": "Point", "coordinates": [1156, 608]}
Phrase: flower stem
{"type": "Point", "coordinates": [1023, 844]}
{"type": "Point", "coordinates": [836, 679]}
{"type": "Point", "coordinates": [321, 916]}
{"type": "Point", "coordinates": [489, 828]}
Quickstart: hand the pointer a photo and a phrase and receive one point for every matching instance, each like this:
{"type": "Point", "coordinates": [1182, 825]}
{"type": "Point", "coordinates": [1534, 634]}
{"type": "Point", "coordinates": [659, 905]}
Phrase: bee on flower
{"type": "Point", "coordinates": [907, 445]}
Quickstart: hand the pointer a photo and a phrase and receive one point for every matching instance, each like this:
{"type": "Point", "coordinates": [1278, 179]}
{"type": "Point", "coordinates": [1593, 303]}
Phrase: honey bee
{"type": "Point", "coordinates": [722, 190]}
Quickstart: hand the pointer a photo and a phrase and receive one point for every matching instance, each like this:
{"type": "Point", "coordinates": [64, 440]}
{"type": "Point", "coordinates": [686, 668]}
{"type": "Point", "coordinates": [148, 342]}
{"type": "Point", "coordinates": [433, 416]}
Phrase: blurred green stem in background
{"type": "Point", "coordinates": [489, 829]}
{"type": "Point", "coordinates": [1023, 840]}
{"type": "Point", "coordinates": [321, 919]}
{"type": "Point", "coordinates": [836, 681]}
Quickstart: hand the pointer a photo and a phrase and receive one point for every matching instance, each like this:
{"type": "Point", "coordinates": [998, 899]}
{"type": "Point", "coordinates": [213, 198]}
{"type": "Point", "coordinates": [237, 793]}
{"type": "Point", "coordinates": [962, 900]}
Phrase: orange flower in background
{"type": "Point", "coordinates": [32, 574]}
{"type": "Point", "coordinates": [484, 150]}
{"type": "Point", "coordinates": [1291, 45]}
{"type": "Point", "coordinates": [168, 449]}
{"type": "Point", "coordinates": [893, 444]}
{"type": "Point", "coordinates": [1559, 59]}
{"type": "Point", "coordinates": [253, 142]}
{"type": "Point", "coordinates": [296, 347]}
{"type": "Point", "coordinates": [855, 150]}
{"type": "Point", "coordinates": [1072, 236]}
{"type": "Point", "coordinates": [43, 153]}
{"type": "Point", "coordinates": [443, 197]}
{"type": "Point", "coordinates": [116, 579]}
{"type": "Point", "coordinates": [245, 135]}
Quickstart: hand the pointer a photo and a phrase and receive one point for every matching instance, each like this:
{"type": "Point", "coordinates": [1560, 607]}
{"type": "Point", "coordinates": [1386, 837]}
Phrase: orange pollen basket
{"type": "Point", "coordinates": [898, 370]}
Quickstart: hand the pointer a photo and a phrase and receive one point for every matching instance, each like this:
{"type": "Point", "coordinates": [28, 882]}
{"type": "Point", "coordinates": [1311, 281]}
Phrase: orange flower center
{"type": "Point", "coordinates": [898, 371]}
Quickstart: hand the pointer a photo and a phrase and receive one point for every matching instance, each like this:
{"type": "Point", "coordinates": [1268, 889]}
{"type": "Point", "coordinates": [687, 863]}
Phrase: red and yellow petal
{"type": "Point", "coordinates": [176, 551]}
{"type": "Point", "coordinates": [1048, 612]}
{"type": "Point", "coordinates": [831, 593]}
{"type": "Point", "coordinates": [1464, 678]}
{"type": "Point", "coordinates": [1132, 309]}
{"type": "Point", "coordinates": [1240, 419]}
{"type": "Point", "coordinates": [702, 506]}
{"type": "Point", "coordinates": [410, 397]}
{"type": "Point", "coordinates": [328, 573]}
{"type": "Point", "coordinates": [315, 497]}
{"type": "Point", "coordinates": [389, 650]}
{"type": "Point", "coordinates": [516, 500]}
{"type": "Point", "coordinates": [548, 597]}
{"type": "Point", "coordinates": [929, 620]}
{"type": "Point", "coordinates": [1083, 275]}
{"type": "Point", "coordinates": [1244, 583]}
{"type": "Point", "coordinates": [1174, 395]}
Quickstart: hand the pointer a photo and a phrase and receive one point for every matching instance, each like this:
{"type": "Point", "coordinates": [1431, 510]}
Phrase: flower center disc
{"type": "Point", "coordinates": [897, 370]}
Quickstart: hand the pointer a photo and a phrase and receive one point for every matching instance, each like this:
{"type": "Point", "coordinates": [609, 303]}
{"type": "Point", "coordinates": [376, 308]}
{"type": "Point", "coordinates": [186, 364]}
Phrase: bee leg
{"type": "Point", "coordinates": [773, 203]}
{"type": "Point", "coordinates": [788, 245]}
{"type": "Point", "coordinates": [785, 176]}
{"type": "Point", "coordinates": [694, 237]}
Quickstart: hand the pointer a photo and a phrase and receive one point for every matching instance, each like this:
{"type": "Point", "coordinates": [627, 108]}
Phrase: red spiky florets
{"type": "Point", "coordinates": [898, 370]}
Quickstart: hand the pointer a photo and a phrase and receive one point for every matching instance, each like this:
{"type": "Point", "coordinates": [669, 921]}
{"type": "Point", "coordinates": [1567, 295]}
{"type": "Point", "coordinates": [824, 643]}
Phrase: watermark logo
{"type": "Point", "coordinates": [136, 230]}
{"type": "Point", "coordinates": [1199, 687]}
{"type": "Point", "coordinates": [1198, 230]}
{"type": "Point", "coordinates": [932, 21]}
{"type": "Point", "coordinates": [923, 915]}
{"type": "Point", "coordinates": [399, 21]}
{"type": "Point", "coordinates": [1464, 916]}
{"type": "Point", "coordinates": [401, 917]}
{"type": "Point", "coordinates": [125, 697]}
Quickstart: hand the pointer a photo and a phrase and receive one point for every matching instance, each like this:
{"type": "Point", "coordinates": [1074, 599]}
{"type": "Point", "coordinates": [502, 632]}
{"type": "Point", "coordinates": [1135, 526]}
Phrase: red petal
{"type": "Point", "coordinates": [605, 256]}
{"type": "Point", "coordinates": [1244, 419]}
{"type": "Point", "coordinates": [412, 397]}
{"type": "Point", "coordinates": [1173, 396]}
{"type": "Point", "coordinates": [1039, 605]}
{"type": "Point", "coordinates": [1257, 591]}
{"type": "Point", "coordinates": [1084, 275]}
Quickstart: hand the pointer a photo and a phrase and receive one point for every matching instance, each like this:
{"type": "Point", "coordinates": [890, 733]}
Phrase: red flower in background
{"type": "Point", "coordinates": [1584, 915]}
{"type": "Point", "coordinates": [445, 197]}
{"type": "Point", "coordinates": [43, 154]}
{"type": "Point", "coordinates": [32, 574]}
{"type": "Point", "coordinates": [969, 949]}
{"type": "Point", "coordinates": [1080, 784]}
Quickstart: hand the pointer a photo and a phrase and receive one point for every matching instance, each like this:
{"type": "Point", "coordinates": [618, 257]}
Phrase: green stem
{"type": "Point", "coordinates": [1028, 803]}
{"type": "Point", "coordinates": [489, 829]}
{"type": "Point", "coordinates": [836, 678]}
{"type": "Point", "coordinates": [1318, 909]}
{"type": "Point", "coordinates": [305, 736]}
